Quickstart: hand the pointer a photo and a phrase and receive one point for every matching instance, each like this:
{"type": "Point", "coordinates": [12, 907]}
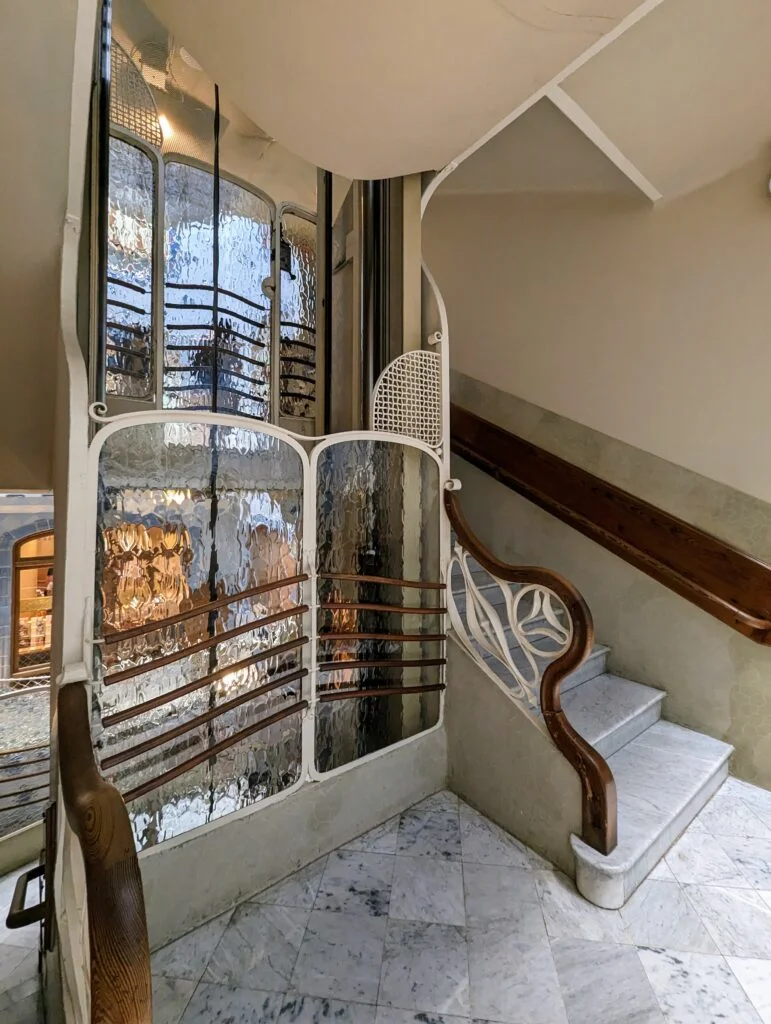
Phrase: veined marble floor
{"type": "Point", "coordinates": [438, 917]}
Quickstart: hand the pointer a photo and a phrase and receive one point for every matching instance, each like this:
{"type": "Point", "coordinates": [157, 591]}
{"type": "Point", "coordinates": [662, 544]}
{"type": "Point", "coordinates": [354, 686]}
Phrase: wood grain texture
{"type": "Point", "coordinates": [723, 581]}
{"type": "Point", "coordinates": [121, 990]}
{"type": "Point", "coordinates": [599, 810]}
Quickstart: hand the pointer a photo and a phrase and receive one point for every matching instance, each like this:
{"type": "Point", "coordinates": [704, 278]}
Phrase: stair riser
{"type": "Point", "coordinates": [629, 730]}
{"type": "Point", "coordinates": [595, 665]}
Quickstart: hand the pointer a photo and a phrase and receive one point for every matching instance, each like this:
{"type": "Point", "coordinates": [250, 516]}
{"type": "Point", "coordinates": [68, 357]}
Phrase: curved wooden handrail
{"type": "Point", "coordinates": [723, 581]}
{"type": "Point", "coordinates": [599, 810]}
{"type": "Point", "coordinates": [121, 990]}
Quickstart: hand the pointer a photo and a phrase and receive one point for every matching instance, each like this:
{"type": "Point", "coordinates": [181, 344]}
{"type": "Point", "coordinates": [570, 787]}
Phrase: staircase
{"type": "Point", "coordinates": [664, 774]}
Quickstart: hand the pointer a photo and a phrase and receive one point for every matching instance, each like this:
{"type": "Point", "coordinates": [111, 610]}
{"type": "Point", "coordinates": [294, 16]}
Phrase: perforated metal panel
{"type": "Point", "coordinates": [131, 103]}
{"type": "Point", "coordinates": [408, 397]}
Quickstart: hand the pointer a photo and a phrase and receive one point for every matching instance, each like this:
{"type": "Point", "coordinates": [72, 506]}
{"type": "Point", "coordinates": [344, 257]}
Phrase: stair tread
{"type": "Point", "coordinates": [606, 707]}
{"type": "Point", "coordinates": [661, 776]}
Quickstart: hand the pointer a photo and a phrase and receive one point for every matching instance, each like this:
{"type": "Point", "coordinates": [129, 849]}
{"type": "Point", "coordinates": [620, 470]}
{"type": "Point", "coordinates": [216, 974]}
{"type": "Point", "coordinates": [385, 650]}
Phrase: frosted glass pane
{"type": "Point", "coordinates": [189, 514]}
{"type": "Point", "coordinates": [241, 347]}
{"type": "Point", "coordinates": [378, 515]}
{"type": "Point", "coordinates": [298, 316]}
{"type": "Point", "coordinates": [128, 342]}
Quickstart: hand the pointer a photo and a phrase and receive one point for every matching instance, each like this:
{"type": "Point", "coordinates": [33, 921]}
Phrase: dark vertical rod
{"type": "Point", "coordinates": [102, 193]}
{"type": "Point", "coordinates": [328, 226]}
{"type": "Point", "coordinates": [216, 252]}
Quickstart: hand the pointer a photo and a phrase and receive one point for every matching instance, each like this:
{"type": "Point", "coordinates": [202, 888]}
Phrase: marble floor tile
{"type": "Point", "coordinates": [187, 957]}
{"type": "Point", "coordinates": [425, 967]}
{"type": "Point", "coordinates": [755, 978]}
{"type": "Point", "coordinates": [428, 890]}
{"type": "Point", "coordinates": [512, 980]}
{"type": "Point", "coordinates": [695, 988]}
{"type": "Point", "coordinates": [356, 882]}
{"type": "Point", "coordinates": [299, 1009]}
{"type": "Point", "coordinates": [604, 984]}
{"type": "Point", "coordinates": [232, 1005]}
{"type": "Point", "coordinates": [298, 890]}
{"type": "Point", "coordinates": [378, 840]}
{"type": "Point", "coordinates": [752, 856]}
{"type": "Point", "coordinates": [503, 894]}
{"type": "Point", "coordinates": [258, 948]}
{"type": "Point", "coordinates": [569, 916]}
{"type": "Point", "coordinates": [340, 956]}
{"type": "Point", "coordinates": [17, 963]}
{"type": "Point", "coordinates": [430, 829]}
{"type": "Point", "coordinates": [22, 1004]}
{"type": "Point", "coordinates": [170, 998]}
{"type": "Point", "coordinates": [737, 919]}
{"type": "Point", "coordinates": [765, 896]}
{"type": "Point", "coordinates": [755, 797]}
{"type": "Point", "coordinates": [392, 1015]}
{"type": "Point", "coordinates": [698, 859]}
{"type": "Point", "coordinates": [660, 914]}
{"type": "Point", "coordinates": [662, 873]}
{"type": "Point", "coordinates": [482, 842]}
{"type": "Point", "coordinates": [728, 815]}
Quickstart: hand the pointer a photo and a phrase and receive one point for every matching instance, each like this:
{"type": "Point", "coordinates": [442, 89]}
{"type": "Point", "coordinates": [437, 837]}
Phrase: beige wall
{"type": "Point", "coordinates": [652, 325]}
{"type": "Point", "coordinates": [717, 681]}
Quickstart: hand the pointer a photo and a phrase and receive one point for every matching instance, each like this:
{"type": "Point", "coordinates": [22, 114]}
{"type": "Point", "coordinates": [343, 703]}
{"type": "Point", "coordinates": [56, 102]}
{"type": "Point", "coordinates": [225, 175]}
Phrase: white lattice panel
{"type": "Point", "coordinates": [408, 397]}
{"type": "Point", "coordinates": [131, 103]}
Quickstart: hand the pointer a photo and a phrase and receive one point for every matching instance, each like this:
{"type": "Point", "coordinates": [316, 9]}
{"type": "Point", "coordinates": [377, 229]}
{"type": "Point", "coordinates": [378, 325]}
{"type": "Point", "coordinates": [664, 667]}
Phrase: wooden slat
{"type": "Point", "coordinates": [212, 751]}
{"type": "Point", "coordinates": [386, 580]}
{"type": "Point", "coordinates": [194, 723]}
{"type": "Point", "coordinates": [334, 666]}
{"type": "Point", "coordinates": [166, 698]}
{"type": "Point", "coordinates": [396, 609]}
{"type": "Point", "coordinates": [204, 645]}
{"type": "Point", "coordinates": [202, 609]}
{"type": "Point", "coordinates": [727, 583]}
{"type": "Point", "coordinates": [403, 638]}
{"type": "Point", "coordinates": [385, 691]}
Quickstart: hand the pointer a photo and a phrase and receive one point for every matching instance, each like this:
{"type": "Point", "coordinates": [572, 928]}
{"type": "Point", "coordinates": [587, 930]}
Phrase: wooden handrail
{"type": "Point", "coordinates": [723, 581]}
{"type": "Point", "coordinates": [599, 811]}
{"type": "Point", "coordinates": [121, 990]}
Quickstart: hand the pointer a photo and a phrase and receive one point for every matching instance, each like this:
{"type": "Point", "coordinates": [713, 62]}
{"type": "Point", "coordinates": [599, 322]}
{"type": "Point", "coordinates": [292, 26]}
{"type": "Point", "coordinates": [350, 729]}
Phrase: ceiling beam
{"type": "Point", "coordinates": [605, 40]}
{"type": "Point", "coordinates": [576, 113]}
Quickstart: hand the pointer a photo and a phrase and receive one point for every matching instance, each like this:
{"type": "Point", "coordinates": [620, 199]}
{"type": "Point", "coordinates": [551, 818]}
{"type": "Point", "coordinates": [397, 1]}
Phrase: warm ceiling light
{"type": "Point", "coordinates": [165, 126]}
{"type": "Point", "coordinates": [189, 59]}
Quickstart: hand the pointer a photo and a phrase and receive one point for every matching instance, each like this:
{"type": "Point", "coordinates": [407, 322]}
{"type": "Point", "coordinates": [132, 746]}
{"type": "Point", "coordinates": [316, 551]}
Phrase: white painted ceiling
{"type": "Point", "coordinates": [372, 89]}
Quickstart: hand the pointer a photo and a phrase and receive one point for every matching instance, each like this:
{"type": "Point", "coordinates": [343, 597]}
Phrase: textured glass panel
{"type": "Point", "coordinates": [189, 514]}
{"type": "Point", "coordinates": [240, 346]}
{"type": "Point", "coordinates": [378, 515]}
{"type": "Point", "coordinates": [298, 316]}
{"type": "Point", "coordinates": [128, 355]}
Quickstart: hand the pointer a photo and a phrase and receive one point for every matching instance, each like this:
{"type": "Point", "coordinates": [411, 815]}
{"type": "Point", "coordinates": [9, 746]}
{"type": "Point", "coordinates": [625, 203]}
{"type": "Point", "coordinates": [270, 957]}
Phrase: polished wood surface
{"type": "Point", "coordinates": [121, 991]}
{"type": "Point", "coordinates": [389, 581]}
{"type": "Point", "coordinates": [599, 802]}
{"type": "Point", "coordinates": [382, 691]}
{"type": "Point", "coordinates": [729, 584]}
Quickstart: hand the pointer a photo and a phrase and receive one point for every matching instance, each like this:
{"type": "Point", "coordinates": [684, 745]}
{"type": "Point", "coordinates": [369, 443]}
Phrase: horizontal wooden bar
{"type": "Point", "coordinates": [334, 666]}
{"type": "Point", "coordinates": [26, 775]}
{"type": "Point", "coordinates": [397, 609]}
{"type": "Point", "coordinates": [127, 284]}
{"type": "Point", "coordinates": [194, 723]}
{"type": "Point", "coordinates": [390, 691]}
{"type": "Point", "coordinates": [727, 583]}
{"type": "Point", "coordinates": [201, 609]}
{"type": "Point", "coordinates": [27, 803]}
{"type": "Point", "coordinates": [197, 684]}
{"type": "Point", "coordinates": [390, 581]}
{"type": "Point", "coordinates": [402, 638]}
{"type": "Point", "coordinates": [203, 645]}
{"type": "Point", "coordinates": [212, 751]}
{"type": "Point", "coordinates": [299, 326]}
{"type": "Point", "coordinates": [220, 291]}
{"type": "Point", "coordinates": [23, 792]}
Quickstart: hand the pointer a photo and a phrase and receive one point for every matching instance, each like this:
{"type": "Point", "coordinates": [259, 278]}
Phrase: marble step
{"type": "Point", "coordinates": [610, 712]}
{"type": "Point", "coordinates": [664, 778]}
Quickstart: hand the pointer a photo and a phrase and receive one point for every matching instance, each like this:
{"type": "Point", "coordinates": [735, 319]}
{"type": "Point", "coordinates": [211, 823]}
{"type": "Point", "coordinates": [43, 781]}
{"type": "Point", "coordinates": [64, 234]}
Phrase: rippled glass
{"type": "Point", "coordinates": [240, 343]}
{"type": "Point", "coordinates": [298, 316]}
{"type": "Point", "coordinates": [377, 516]}
{"type": "Point", "coordinates": [190, 515]}
{"type": "Point", "coordinates": [128, 329]}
